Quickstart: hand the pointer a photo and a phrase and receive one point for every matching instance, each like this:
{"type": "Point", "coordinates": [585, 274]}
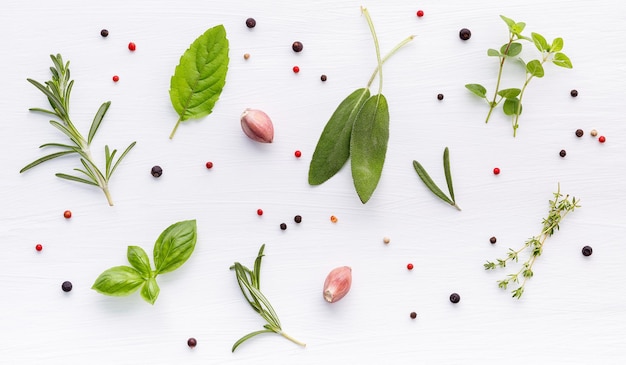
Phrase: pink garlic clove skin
{"type": "Point", "coordinates": [257, 125]}
{"type": "Point", "coordinates": [337, 284]}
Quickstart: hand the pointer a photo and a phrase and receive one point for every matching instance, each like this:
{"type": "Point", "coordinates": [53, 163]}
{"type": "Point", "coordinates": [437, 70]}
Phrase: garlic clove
{"type": "Point", "coordinates": [337, 283]}
{"type": "Point", "coordinates": [257, 125]}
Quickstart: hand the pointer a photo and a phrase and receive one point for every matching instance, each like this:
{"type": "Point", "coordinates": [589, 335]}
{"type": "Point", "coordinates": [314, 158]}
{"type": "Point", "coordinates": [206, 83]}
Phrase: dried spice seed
{"type": "Point", "coordinates": [496, 171]}
{"type": "Point", "coordinates": [455, 298]}
{"type": "Point", "coordinates": [420, 13]}
{"type": "Point", "coordinates": [593, 132]}
{"type": "Point", "coordinates": [602, 139]}
{"type": "Point", "coordinates": [465, 34]}
{"type": "Point", "coordinates": [132, 46]}
{"type": "Point", "coordinates": [116, 78]}
{"type": "Point", "coordinates": [574, 93]}
{"type": "Point", "coordinates": [246, 56]}
{"type": "Point", "coordinates": [297, 46]}
{"type": "Point", "coordinates": [209, 165]}
{"type": "Point", "coordinates": [296, 69]}
{"type": "Point", "coordinates": [493, 240]}
{"type": "Point", "coordinates": [413, 315]}
{"type": "Point", "coordinates": [191, 342]}
{"type": "Point", "coordinates": [283, 226]}
{"type": "Point", "coordinates": [38, 247]}
{"type": "Point", "coordinates": [562, 153]}
{"type": "Point", "coordinates": [259, 212]}
{"type": "Point", "coordinates": [587, 251]}
{"type": "Point", "coordinates": [250, 23]}
{"type": "Point", "coordinates": [297, 219]}
{"type": "Point", "coordinates": [439, 96]}
{"type": "Point", "coordinates": [386, 240]}
{"type": "Point", "coordinates": [67, 214]}
{"type": "Point", "coordinates": [409, 266]}
{"type": "Point", "coordinates": [156, 171]}
{"type": "Point", "coordinates": [104, 33]}
{"type": "Point", "coordinates": [333, 219]}
{"type": "Point", "coordinates": [298, 154]}
{"type": "Point", "coordinates": [66, 286]}
{"type": "Point", "coordinates": [579, 133]}
{"type": "Point", "coordinates": [323, 78]}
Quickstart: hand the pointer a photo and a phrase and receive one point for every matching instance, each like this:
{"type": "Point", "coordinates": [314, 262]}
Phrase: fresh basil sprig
{"type": "Point", "coordinates": [200, 76]}
{"type": "Point", "coordinates": [359, 127]}
{"type": "Point", "coordinates": [430, 184]}
{"type": "Point", "coordinates": [58, 90]}
{"type": "Point", "coordinates": [172, 249]}
{"type": "Point", "coordinates": [250, 284]}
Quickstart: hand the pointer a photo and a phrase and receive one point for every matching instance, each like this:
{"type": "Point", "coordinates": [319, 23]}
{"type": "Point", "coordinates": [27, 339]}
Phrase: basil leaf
{"type": "Point", "coordinates": [174, 246]}
{"type": "Point", "coordinates": [118, 281]}
{"type": "Point", "coordinates": [477, 89]}
{"type": "Point", "coordinates": [368, 145]}
{"type": "Point", "coordinates": [333, 147]}
{"type": "Point", "coordinates": [200, 76]}
{"type": "Point", "coordinates": [138, 258]}
{"type": "Point", "coordinates": [150, 291]}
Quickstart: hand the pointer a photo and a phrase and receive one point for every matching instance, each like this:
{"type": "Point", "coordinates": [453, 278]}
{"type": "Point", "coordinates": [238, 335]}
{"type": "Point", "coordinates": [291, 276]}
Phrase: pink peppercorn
{"type": "Point", "coordinates": [132, 46]}
{"type": "Point", "coordinates": [420, 13]}
{"type": "Point", "coordinates": [602, 139]}
{"type": "Point", "coordinates": [496, 171]}
{"type": "Point", "coordinates": [296, 69]}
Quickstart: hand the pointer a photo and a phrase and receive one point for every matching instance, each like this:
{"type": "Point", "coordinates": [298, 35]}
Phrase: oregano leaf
{"type": "Point", "coordinates": [534, 68]}
{"type": "Point", "coordinates": [561, 60]}
{"type": "Point", "coordinates": [509, 93]}
{"type": "Point", "coordinates": [513, 49]}
{"type": "Point", "coordinates": [518, 28]}
{"type": "Point", "coordinates": [118, 281]}
{"type": "Point", "coordinates": [368, 145]}
{"type": "Point", "coordinates": [509, 22]}
{"type": "Point", "coordinates": [493, 53]}
{"type": "Point", "coordinates": [510, 106]}
{"type": "Point", "coordinates": [200, 76]}
{"type": "Point", "coordinates": [557, 45]}
{"type": "Point", "coordinates": [174, 246]}
{"type": "Point", "coordinates": [477, 90]}
{"type": "Point", "coordinates": [540, 42]}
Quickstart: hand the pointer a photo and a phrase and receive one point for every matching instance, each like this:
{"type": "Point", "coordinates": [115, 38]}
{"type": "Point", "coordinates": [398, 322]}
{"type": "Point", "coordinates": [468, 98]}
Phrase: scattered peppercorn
{"type": "Point", "coordinates": [465, 34]}
{"type": "Point", "coordinates": [67, 214]}
{"type": "Point", "coordinates": [579, 133]}
{"type": "Point", "coordinates": [246, 56]}
{"type": "Point", "coordinates": [574, 93]}
{"type": "Point", "coordinates": [38, 247]}
{"type": "Point", "coordinates": [296, 69]}
{"type": "Point", "coordinates": [386, 240]}
{"type": "Point", "coordinates": [496, 171]}
{"type": "Point", "coordinates": [66, 286]}
{"type": "Point", "coordinates": [413, 315]}
{"type": "Point", "coordinates": [333, 219]}
{"type": "Point", "coordinates": [409, 266]}
{"type": "Point", "coordinates": [323, 78]}
{"type": "Point", "coordinates": [587, 251]}
{"type": "Point", "coordinates": [156, 171]}
{"type": "Point", "coordinates": [209, 165]}
{"type": "Point", "coordinates": [116, 78]}
{"type": "Point", "coordinates": [562, 153]}
{"type": "Point", "coordinates": [191, 342]}
{"type": "Point", "coordinates": [455, 298]}
{"type": "Point", "coordinates": [104, 33]}
{"type": "Point", "coordinates": [297, 219]}
{"type": "Point", "coordinates": [439, 96]}
{"type": "Point", "coordinates": [298, 154]}
{"type": "Point", "coordinates": [602, 139]}
{"type": "Point", "coordinates": [493, 240]}
{"type": "Point", "coordinates": [132, 46]}
{"type": "Point", "coordinates": [420, 13]}
{"type": "Point", "coordinates": [250, 23]}
{"type": "Point", "coordinates": [283, 226]}
{"type": "Point", "coordinates": [297, 46]}
{"type": "Point", "coordinates": [593, 132]}
{"type": "Point", "coordinates": [259, 211]}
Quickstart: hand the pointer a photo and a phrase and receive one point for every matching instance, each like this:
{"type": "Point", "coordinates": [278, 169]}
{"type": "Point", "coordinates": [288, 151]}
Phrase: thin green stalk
{"type": "Point", "coordinates": [387, 56]}
{"type": "Point", "coordinates": [493, 103]}
{"type": "Point", "coordinates": [521, 96]}
{"type": "Point", "coordinates": [175, 128]}
{"type": "Point", "coordinates": [370, 23]}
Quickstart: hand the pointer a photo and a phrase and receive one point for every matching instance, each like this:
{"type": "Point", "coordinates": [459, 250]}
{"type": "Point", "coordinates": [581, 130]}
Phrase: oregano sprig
{"type": "Point", "coordinates": [430, 184]}
{"type": "Point", "coordinates": [171, 250]}
{"type": "Point", "coordinates": [58, 90]}
{"type": "Point", "coordinates": [250, 284]}
{"type": "Point", "coordinates": [560, 206]}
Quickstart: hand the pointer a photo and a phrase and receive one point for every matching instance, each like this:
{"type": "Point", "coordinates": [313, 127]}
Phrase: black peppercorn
{"type": "Point", "coordinates": [297, 219]}
{"type": "Point", "coordinates": [579, 133]}
{"type": "Point", "coordinates": [323, 78]}
{"type": "Point", "coordinates": [156, 171]}
{"type": "Point", "coordinates": [574, 93]}
{"type": "Point", "coordinates": [191, 342]}
{"type": "Point", "coordinates": [66, 286]}
{"type": "Point", "coordinates": [439, 96]}
{"type": "Point", "coordinates": [465, 34]}
{"type": "Point", "coordinates": [587, 251]}
{"type": "Point", "coordinates": [562, 153]}
{"type": "Point", "coordinates": [413, 315]}
{"type": "Point", "coordinates": [104, 32]}
{"type": "Point", "coordinates": [297, 46]}
{"type": "Point", "coordinates": [250, 23]}
{"type": "Point", "coordinates": [493, 240]}
{"type": "Point", "coordinates": [283, 226]}
{"type": "Point", "coordinates": [455, 298]}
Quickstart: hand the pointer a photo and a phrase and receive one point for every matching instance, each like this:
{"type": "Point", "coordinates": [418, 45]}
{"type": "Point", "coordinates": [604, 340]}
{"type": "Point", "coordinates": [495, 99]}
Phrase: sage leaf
{"type": "Point", "coordinates": [150, 291]}
{"type": "Point", "coordinates": [560, 59]}
{"type": "Point", "coordinates": [200, 76]}
{"type": "Point", "coordinates": [118, 281]}
{"type": "Point", "coordinates": [368, 145]}
{"type": "Point", "coordinates": [509, 93]}
{"type": "Point", "coordinates": [477, 89]}
{"type": "Point", "coordinates": [430, 184]}
{"type": "Point", "coordinates": [138, 258]}
{"type": "Point", "coordinates": [534, 68]}
{"type": "Point", "coordinates": [446, 170]}
{"type": "Point", "coordinates": [333, 147]}
{"type": "Point", "coordinates": [174, 246]}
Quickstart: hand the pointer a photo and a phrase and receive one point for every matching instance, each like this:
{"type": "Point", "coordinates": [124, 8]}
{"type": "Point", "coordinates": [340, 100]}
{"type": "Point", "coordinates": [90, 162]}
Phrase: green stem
{"type": "Point", "coordinates": [175, 128]}
{"type": "Point", "coordinates": [291, 339]}
{"type": "Point", "coordinates": [370, 23]}
{"type": "Point", "coordinates": [493, 104]}
{"type": "Point", "coordinates": [387, 56]}
{"type": "Point", "coordinates": [521, 95]}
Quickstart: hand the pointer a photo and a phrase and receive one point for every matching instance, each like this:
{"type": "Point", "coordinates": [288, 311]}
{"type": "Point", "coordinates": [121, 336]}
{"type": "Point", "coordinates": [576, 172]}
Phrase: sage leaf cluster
{"type": "Point", "coordinates": [58, 91]}
{"type": "Point", "coordinates": [200, 76]}
{"type": "Point", "coordinates": [430, 184]}
{"type": "Point", "coordinates": [171, 250]}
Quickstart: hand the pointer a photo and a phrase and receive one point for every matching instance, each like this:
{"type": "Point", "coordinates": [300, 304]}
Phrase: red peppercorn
{"type": "Point", "coordinates": [116, 78]}
{"type": "Point", "coordinates": [298, 154]}
{"type": "Point", "coordinates": [132, 46]}
{"type": "Point", "coordinates": [259, 211]}
{"type": "Point", "coordinates": [409, 266]}
{"type": "Point", "coordinates": [296, 69]}
{"type": "Point", "coordinates": [209, 165]}
{"type": "Point", "coordinates": [496, 171]}
{"type": "Point", "coordinates": [67, 214]}
{"type": "Point", "coordinates": [602, 139]}
{"type": "Point", "coordinates": [420, 13]}
{"type": "Point", "coordinates": [39, 247]}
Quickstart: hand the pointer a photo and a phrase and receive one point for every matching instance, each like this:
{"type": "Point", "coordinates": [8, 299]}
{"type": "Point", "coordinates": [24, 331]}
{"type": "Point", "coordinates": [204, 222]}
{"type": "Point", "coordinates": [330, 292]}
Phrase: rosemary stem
{"type": "Point", "coordinates": [291, 339]}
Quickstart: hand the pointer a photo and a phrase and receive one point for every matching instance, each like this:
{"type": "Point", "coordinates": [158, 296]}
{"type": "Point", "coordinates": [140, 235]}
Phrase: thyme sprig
{"type": "Point", "coordinates": [249, 282]}
{"type": "Point", "coordinates": [58, 90]}
{"type": "Point", "coordinates": [559, 208]}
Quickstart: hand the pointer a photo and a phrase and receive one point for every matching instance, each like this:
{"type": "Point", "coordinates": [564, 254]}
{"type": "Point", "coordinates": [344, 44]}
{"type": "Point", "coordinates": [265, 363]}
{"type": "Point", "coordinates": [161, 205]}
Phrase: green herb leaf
{"type": "Point", "coordinates": [477, 89]}
{"type": "Point", "coordinates": [368, 145]}
{"type": "Point", "coordinates": [509, 93]}
{"type": "Point", "coordinates": [446, 170]}
{"type": "Point", "coordinates": [249, 336]}
{"type": "Point", "coordinates": [540, 42]}
{"type": "Point", "coordinates": [517, 28]}
{"type": "Point", "coordinates": [557, 45]}
{"type": "Point", "coordinates": [535, 68]}
{"type": "Point", "coordinates": [493, 53]}
{"type": "Point", "coordinates": [150, 291]}
{"type": "Point", "coordinates": [44, 159]}
{"type": "Point", "coordinates": [174, 246]}
{"type": "Point", "coordinates": [138, 258]}
{"type": "Point", "coordinates": [333, 147]}
{"type": "Point", "coordinates": [76, 178]}
{"type": "Point", "coordinates": [97, 120]}
{"type": "Point", "coordinates": [561, 60]}
{"type": "Point", "coordinates": [118, 281]}
{"type": "Point", "coordinates": [200, 76]}
{"type": "Point", "coordinates": [509, 22]}
{"type": "Point", "coordinates": [513, 49]}
{"type": "Point", "coordinates": [430, 184]}
{"type": "Point", "coordinates": [510, 106]}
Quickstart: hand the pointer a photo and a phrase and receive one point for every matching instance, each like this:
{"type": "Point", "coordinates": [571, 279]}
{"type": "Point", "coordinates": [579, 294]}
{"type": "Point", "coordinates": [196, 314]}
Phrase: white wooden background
{"type": "Point", "coordinates": [573, 311]}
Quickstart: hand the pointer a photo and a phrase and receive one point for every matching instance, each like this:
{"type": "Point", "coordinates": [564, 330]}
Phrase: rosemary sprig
{"type": "Point", "coordinates": [430, 184]}
{"type": "Point", "coordinates": [58, 90]}
{"type": "Point", "coordinates": [559, 208]}
{"type": "Point", "coordinates": [249, 282]}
